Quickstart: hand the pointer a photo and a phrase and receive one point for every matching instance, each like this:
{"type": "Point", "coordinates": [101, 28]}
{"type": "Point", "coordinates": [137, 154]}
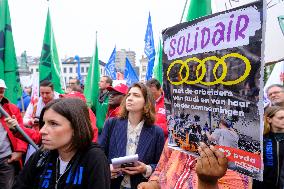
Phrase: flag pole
{"type": "Point", "coordinates": [18, 128]}
{"type": "Point", "coordinates": [183, 11]}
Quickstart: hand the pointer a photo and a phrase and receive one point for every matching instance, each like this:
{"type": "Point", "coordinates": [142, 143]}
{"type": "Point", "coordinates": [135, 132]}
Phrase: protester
{"type": "Point", "coordinates": [11, 148]}
{"type": "Point", "coordinates": [69, 159]}
{"type": "Point", "coordinates": [159, 97]}
{"type": "Point", "coordinates": [102, 106]}
{"type": "Point", "coordinates": [116, 95]}
{"type": "Point", "coordinates": [225, 135]}
{"type": "Point", "coordinates": [36, 136]}
{"type": "Point", "coordinates": [275, 93]}
{"type": "Point", "coordinates": [74, 83]}
{"type": "Point", "coordinates": [177, 169]}
{"type": "Point", "coordinates": [273, 152]}
{"type": "Point", "coordinates": [133, 133]}
{"type": "Point", "coordinates": [46, 91]}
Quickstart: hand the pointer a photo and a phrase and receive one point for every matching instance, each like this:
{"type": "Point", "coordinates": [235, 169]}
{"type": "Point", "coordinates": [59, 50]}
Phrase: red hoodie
{"type": "Point", "coordinates": [161, 119]}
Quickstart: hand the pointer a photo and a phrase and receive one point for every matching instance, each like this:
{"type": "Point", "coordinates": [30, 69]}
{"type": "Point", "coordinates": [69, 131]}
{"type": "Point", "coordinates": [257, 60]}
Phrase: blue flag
{"type": "Point", "coordinates": [79, 76]}
{"type": "Point", "coordinates": [129, 74]}
{"type": "Point", "coordinates": [110, 66]}
{"type": "Point", "coordinates": [149, 49]}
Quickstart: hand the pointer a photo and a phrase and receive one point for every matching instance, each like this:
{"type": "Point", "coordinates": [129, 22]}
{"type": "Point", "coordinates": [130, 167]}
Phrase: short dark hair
{"type": "Point", "coordinates": [46, 83]}
{"type": "Point", "coordinates": [275, 85]}
{"type": "Point", "coordinates": [77, 81]}
{"type": "Point", "coordinates": [108, 80]}
{"type": "Point", "coordinates": [76, 111]}
{"type": "Point", "coordinates": [149, 113]}
{"type": "Point", "coordinates": [154, 82]}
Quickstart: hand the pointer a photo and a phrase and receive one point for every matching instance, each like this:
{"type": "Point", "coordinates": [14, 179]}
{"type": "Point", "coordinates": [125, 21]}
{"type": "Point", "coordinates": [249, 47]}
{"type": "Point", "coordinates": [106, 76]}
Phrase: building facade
{"type": "Point", "coordinates": [120, 59]}
{"type": "Point", "coordinates": [69, 67]}
{"type": "Point", "coordinates": [143, 68]}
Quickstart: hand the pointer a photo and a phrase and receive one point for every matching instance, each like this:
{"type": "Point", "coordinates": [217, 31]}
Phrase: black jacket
{"type": "Point", "coordinates": [87, 169]}
{"type": "Point", "coordinates": [273, 152]}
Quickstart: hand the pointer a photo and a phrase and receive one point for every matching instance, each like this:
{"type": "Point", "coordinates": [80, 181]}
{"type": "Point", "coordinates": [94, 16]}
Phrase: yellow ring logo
{"type": "Point", "coordinates": [201, 66]}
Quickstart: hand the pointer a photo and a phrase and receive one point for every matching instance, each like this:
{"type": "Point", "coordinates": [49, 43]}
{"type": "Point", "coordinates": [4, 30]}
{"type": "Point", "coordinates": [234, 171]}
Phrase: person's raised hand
{"type": "Point", "coordinates": [211, 165]}
{"type": "Point", "coordinates": [11, 122]}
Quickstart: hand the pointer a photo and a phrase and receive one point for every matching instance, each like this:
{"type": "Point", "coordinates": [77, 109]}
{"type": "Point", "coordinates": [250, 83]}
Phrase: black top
{"type": "Point", "coordinates": [87, 169]}
{"type": "Point", "coordinates": [273, 152]}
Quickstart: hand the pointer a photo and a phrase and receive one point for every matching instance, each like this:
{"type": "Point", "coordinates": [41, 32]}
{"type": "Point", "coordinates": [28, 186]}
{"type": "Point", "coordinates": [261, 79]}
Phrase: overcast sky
{"type": "Point", "coordinates": [118, 22]}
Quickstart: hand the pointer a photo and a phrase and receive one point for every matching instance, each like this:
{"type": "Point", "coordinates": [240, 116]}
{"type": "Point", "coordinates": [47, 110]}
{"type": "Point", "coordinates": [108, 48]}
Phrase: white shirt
{"type": "Point", "coordinates": [30, 110]}
{"type": "Point", "coordinates": [133, 135]}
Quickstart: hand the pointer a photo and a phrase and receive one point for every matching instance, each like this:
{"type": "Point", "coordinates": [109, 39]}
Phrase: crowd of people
{"type": "Point", "coordinates": [77, 143]}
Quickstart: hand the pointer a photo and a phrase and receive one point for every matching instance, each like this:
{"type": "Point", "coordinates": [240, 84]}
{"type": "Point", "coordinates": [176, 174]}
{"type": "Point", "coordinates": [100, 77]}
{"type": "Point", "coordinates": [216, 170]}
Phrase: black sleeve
{"type": "Point", "coordinates": [27, 176]}
{"type": "Point", "coordinates": [99, 173]}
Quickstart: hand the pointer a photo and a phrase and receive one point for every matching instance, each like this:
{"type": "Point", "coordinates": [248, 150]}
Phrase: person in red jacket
{"type": "Point", "coordinates": [159, 97]}
{"type": "Point", "coordinates": [116, 95]}
{"type": "Point", "coordinates": [11, 148]}
{"type": "Point", "coordinates": [36, 136]}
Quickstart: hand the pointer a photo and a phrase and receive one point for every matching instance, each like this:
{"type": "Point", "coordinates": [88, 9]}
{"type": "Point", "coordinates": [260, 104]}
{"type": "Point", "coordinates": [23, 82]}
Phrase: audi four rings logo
{"type": "Point", "coordinates": [201, 66]}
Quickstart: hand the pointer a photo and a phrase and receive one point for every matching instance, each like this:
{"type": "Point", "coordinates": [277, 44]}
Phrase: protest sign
{"type": "Point", "coordinates": [212, 73]}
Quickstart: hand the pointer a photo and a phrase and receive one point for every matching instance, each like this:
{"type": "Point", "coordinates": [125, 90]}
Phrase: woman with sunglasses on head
{"type": "Point", "coordinates": [132, 133]}
{"type": "Point", "coordinates": [69, 159]}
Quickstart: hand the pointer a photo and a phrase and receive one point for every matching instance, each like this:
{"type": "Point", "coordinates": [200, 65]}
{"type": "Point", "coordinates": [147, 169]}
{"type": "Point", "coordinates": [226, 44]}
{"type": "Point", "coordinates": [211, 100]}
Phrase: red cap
{"type": "Point", "coordinates": [74, 94]}
{"type": "Point", "coordinates": [121, 88]}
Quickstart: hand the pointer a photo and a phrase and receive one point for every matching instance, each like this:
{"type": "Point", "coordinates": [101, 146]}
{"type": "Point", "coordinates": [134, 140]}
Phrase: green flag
{"type": "Point", "coordinates": [49, 66]}
{"type": "Point", "coordinates": [198, 8]}
{"type": "Point", "coordinates": [8, 61]}
{"type": "Point", "coordinates": [281, 23]}
{"type": "Point", "coordinates": [91, 89]}
{"type": "Point", "coordinates": [158, 69]}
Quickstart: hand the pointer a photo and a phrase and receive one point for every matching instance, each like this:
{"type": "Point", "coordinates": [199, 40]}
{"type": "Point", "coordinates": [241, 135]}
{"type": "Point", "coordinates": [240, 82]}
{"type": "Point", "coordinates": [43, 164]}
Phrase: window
{"type": "Point", "coordinates": [82, 69]}
{"type": "Point", "coordinates": [37, 70]}
{"type": "Point", "coordinates": [32, 70]}
{"type": "Point", "coordinates": [64, 70]}
{"type": "Point", "coordinates": [70, 70]}
{"type": "Point", "coordinates": [87, 68]}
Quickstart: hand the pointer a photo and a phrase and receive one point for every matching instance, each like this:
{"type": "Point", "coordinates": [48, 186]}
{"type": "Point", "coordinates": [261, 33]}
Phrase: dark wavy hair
{"type": "Point", "coordinates": [149, 113]}
{"type": "Point", "coordinates": [76, 111]}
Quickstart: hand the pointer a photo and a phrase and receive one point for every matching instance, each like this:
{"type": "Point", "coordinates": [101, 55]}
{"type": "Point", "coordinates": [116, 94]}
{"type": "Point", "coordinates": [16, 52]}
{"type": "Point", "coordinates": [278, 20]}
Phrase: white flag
{"type": "Point", "coordinates": [276, 77]}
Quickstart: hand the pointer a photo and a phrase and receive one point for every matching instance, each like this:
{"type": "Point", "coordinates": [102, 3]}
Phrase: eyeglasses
{"type": "Point", "coordinates": [275, 92]}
